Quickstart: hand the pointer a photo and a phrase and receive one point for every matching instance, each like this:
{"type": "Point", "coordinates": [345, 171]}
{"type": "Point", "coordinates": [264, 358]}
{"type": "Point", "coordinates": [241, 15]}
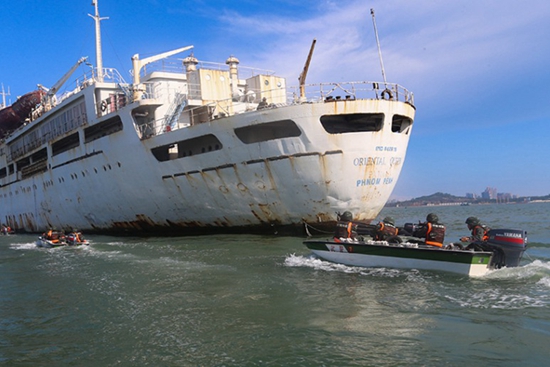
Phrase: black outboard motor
{"type": "Point", "coordinates": [508, 246]}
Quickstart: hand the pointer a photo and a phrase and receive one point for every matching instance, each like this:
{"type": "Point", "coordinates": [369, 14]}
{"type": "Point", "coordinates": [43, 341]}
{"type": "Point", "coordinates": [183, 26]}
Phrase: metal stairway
{"type": "Point", "coordinates": [174, 111]}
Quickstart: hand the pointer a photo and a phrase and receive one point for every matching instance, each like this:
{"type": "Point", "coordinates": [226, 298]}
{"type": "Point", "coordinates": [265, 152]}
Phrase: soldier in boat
{"type": "Point", "coordinates": [345, 228]}
{"type": "Point", "coordinates": [385, 230]}
{"type": "Point", "coordinates": [432, 231]}
{"type": "Point", "coordinates": [76, 238]}
{"type": "Point", "coordinates": [54, 236]}
{"type": "Point", "coordinates": [478, 231]}
{"type": "Point", "coordinates": [6, 230]}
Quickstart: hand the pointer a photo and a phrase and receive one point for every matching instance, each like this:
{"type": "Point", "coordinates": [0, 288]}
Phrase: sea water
{"type": "Point", "coordinates": [245, 300]}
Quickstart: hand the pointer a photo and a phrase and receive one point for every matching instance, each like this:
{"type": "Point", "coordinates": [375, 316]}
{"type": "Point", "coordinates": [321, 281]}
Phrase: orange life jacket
{"type": "Point", "coordinates": [435, 234]}
{"type": "Point", "coordinates": [384, 231]}
{"type": "Point", "coordinates": [485, 231]}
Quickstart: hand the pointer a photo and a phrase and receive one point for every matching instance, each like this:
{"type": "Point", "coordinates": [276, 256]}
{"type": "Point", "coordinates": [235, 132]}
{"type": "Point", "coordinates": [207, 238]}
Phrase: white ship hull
{"type": "Point", "coordinates": [116, 182]}
{"type": "Point", "coordinates": [217, 164]}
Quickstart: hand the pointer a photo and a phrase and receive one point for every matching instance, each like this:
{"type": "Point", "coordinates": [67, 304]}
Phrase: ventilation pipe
{"type": "Point", "coordinates": [234, 75]}
{"type": "Point", "coordinates": [190, 63]}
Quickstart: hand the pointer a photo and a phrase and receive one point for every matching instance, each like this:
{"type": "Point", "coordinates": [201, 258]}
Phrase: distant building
{"type": "Point", "coordinates": [470, 195]}
{"type": "Point", "coordinates": [501, 196]}
{"type": "Point", "coordinates": [489, 193]}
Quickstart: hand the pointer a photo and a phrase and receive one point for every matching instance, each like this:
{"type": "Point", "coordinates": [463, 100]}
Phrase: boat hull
{"type": "Point", "coordinates": [42, 242]}
{"type": "Point", "coordinates": [388, 256]}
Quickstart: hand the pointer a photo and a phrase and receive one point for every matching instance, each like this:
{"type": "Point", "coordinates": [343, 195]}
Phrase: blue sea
{"type": "Point", "coordinates": [243, 300]}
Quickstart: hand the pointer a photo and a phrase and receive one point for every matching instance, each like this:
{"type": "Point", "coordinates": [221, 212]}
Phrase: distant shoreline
{"type": "Point", "coordinates": [442, 199]}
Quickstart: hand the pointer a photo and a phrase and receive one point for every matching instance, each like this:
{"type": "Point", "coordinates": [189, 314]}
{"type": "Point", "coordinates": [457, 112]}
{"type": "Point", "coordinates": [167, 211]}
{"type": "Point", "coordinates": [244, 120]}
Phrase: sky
{"type": "Point", "coordinates": [479, 70]}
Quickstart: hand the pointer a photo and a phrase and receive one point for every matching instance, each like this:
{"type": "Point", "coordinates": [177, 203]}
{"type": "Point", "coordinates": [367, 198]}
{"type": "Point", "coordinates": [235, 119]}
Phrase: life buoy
{"type": "Point", "coordinates": [388, 92]}
{"type": "Point", "coordinates": [103, 106]}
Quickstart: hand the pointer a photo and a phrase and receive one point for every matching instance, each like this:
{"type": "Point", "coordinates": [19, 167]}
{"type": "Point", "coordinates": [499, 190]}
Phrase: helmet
{"type": "Point", "coordinates": [347, 216]}
{"type": "Point", "coordinates": [389, 220]}
{"type": "Point", "coordinates": [473, 221]}
{"type": "Point", "coordinates": [432, 218]}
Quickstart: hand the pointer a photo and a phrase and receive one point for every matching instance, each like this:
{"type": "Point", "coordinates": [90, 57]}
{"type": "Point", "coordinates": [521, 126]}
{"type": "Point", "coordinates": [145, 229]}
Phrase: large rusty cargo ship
{"type": "Point", "coordinates": [190, 147]}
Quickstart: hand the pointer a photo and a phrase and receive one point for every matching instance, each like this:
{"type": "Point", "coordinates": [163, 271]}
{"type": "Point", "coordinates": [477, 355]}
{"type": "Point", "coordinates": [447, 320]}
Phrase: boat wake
{"type": "Point", "coordinates": [33, 246]}
{"type": "Point", "coordinates": [312, 261]}
{"type": "Point", "coordinates": [537, 270]}
{"type": "Point", "coordinates": [24, 246]}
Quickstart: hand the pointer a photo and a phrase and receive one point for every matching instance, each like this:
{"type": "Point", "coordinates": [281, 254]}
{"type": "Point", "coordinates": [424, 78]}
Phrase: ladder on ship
{"type": "Point", "coordinates": [126, 90]}
{"type": "Point", "coordinates": [174, 111]}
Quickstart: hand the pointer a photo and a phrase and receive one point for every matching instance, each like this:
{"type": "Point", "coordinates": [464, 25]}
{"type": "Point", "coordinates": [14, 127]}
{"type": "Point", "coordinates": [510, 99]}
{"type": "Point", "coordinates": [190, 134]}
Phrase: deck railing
{"type": "Point", "coordinates": [314, 93]}
{"type": "Point", "coordinates": [352, 90]}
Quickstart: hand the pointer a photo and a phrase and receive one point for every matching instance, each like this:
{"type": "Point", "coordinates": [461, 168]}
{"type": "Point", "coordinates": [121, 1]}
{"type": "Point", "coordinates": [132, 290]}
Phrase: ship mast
{"type": "Point", "coordinates": [4, 94]}
{"type": "Point", "coordinates": [379, 50]}
{"type": "Point", "coordinates": [99, 57]}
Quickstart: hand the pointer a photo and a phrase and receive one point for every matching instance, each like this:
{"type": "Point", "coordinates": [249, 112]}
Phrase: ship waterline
{"type": "Point", "coordinates": [203, 149]}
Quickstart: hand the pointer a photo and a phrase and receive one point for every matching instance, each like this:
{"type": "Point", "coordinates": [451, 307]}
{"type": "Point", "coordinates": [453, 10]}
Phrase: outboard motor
{"type": "Point", "coordinates": [508, 246]}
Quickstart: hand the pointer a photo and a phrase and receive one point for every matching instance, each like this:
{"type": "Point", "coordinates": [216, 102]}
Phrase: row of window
{"type": "Point", "coordinates": [68, 120]}
{"type": "Point", "coordinates": [333, 124]}
{"type": "Point", "coordinates": [37, 162]}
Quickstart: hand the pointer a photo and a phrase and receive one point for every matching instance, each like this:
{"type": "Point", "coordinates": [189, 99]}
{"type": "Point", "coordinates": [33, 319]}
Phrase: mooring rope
{"type": "Point", "coordinates": [309, 226]}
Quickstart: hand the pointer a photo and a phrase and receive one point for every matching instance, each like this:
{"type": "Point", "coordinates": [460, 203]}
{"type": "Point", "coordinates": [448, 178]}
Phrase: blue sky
{"type": "Point", "coordinates": [480, 70]}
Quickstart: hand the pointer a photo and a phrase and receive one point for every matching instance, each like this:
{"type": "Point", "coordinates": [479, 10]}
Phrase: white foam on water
{"type": "Point", "coordinates": [24, 246]}
{"type": "Point", "coordinates": [535, 269]}
{"type": "Point", "coordinates": [312, 261]}
{"type": "Point", "coordinates": [515, 288]}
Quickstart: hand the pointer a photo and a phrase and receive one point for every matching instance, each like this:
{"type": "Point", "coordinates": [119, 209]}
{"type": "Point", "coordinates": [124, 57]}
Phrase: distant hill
{"type": "Point", "coordinates": [440, 198]}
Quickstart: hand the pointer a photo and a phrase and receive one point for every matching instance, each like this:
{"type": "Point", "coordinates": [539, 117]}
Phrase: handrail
{"type": "Point", "coordinates": [109, 75]}
{"type": "Point", "coordinates": [353, 90]}
{"type": "Point", "coordinates": [315, 93]}
{"type": "Point", "coordinates": [175, 65]}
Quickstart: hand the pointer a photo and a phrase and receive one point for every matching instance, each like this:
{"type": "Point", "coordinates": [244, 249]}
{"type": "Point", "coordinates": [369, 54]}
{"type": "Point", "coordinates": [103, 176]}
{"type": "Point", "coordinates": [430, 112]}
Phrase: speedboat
{"type": "Point", "coordinates": [504, 248]}
{"type": "Point", "coordinates": [76, 239]}
{"type": "Point", "coordinates": [43, 241]}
